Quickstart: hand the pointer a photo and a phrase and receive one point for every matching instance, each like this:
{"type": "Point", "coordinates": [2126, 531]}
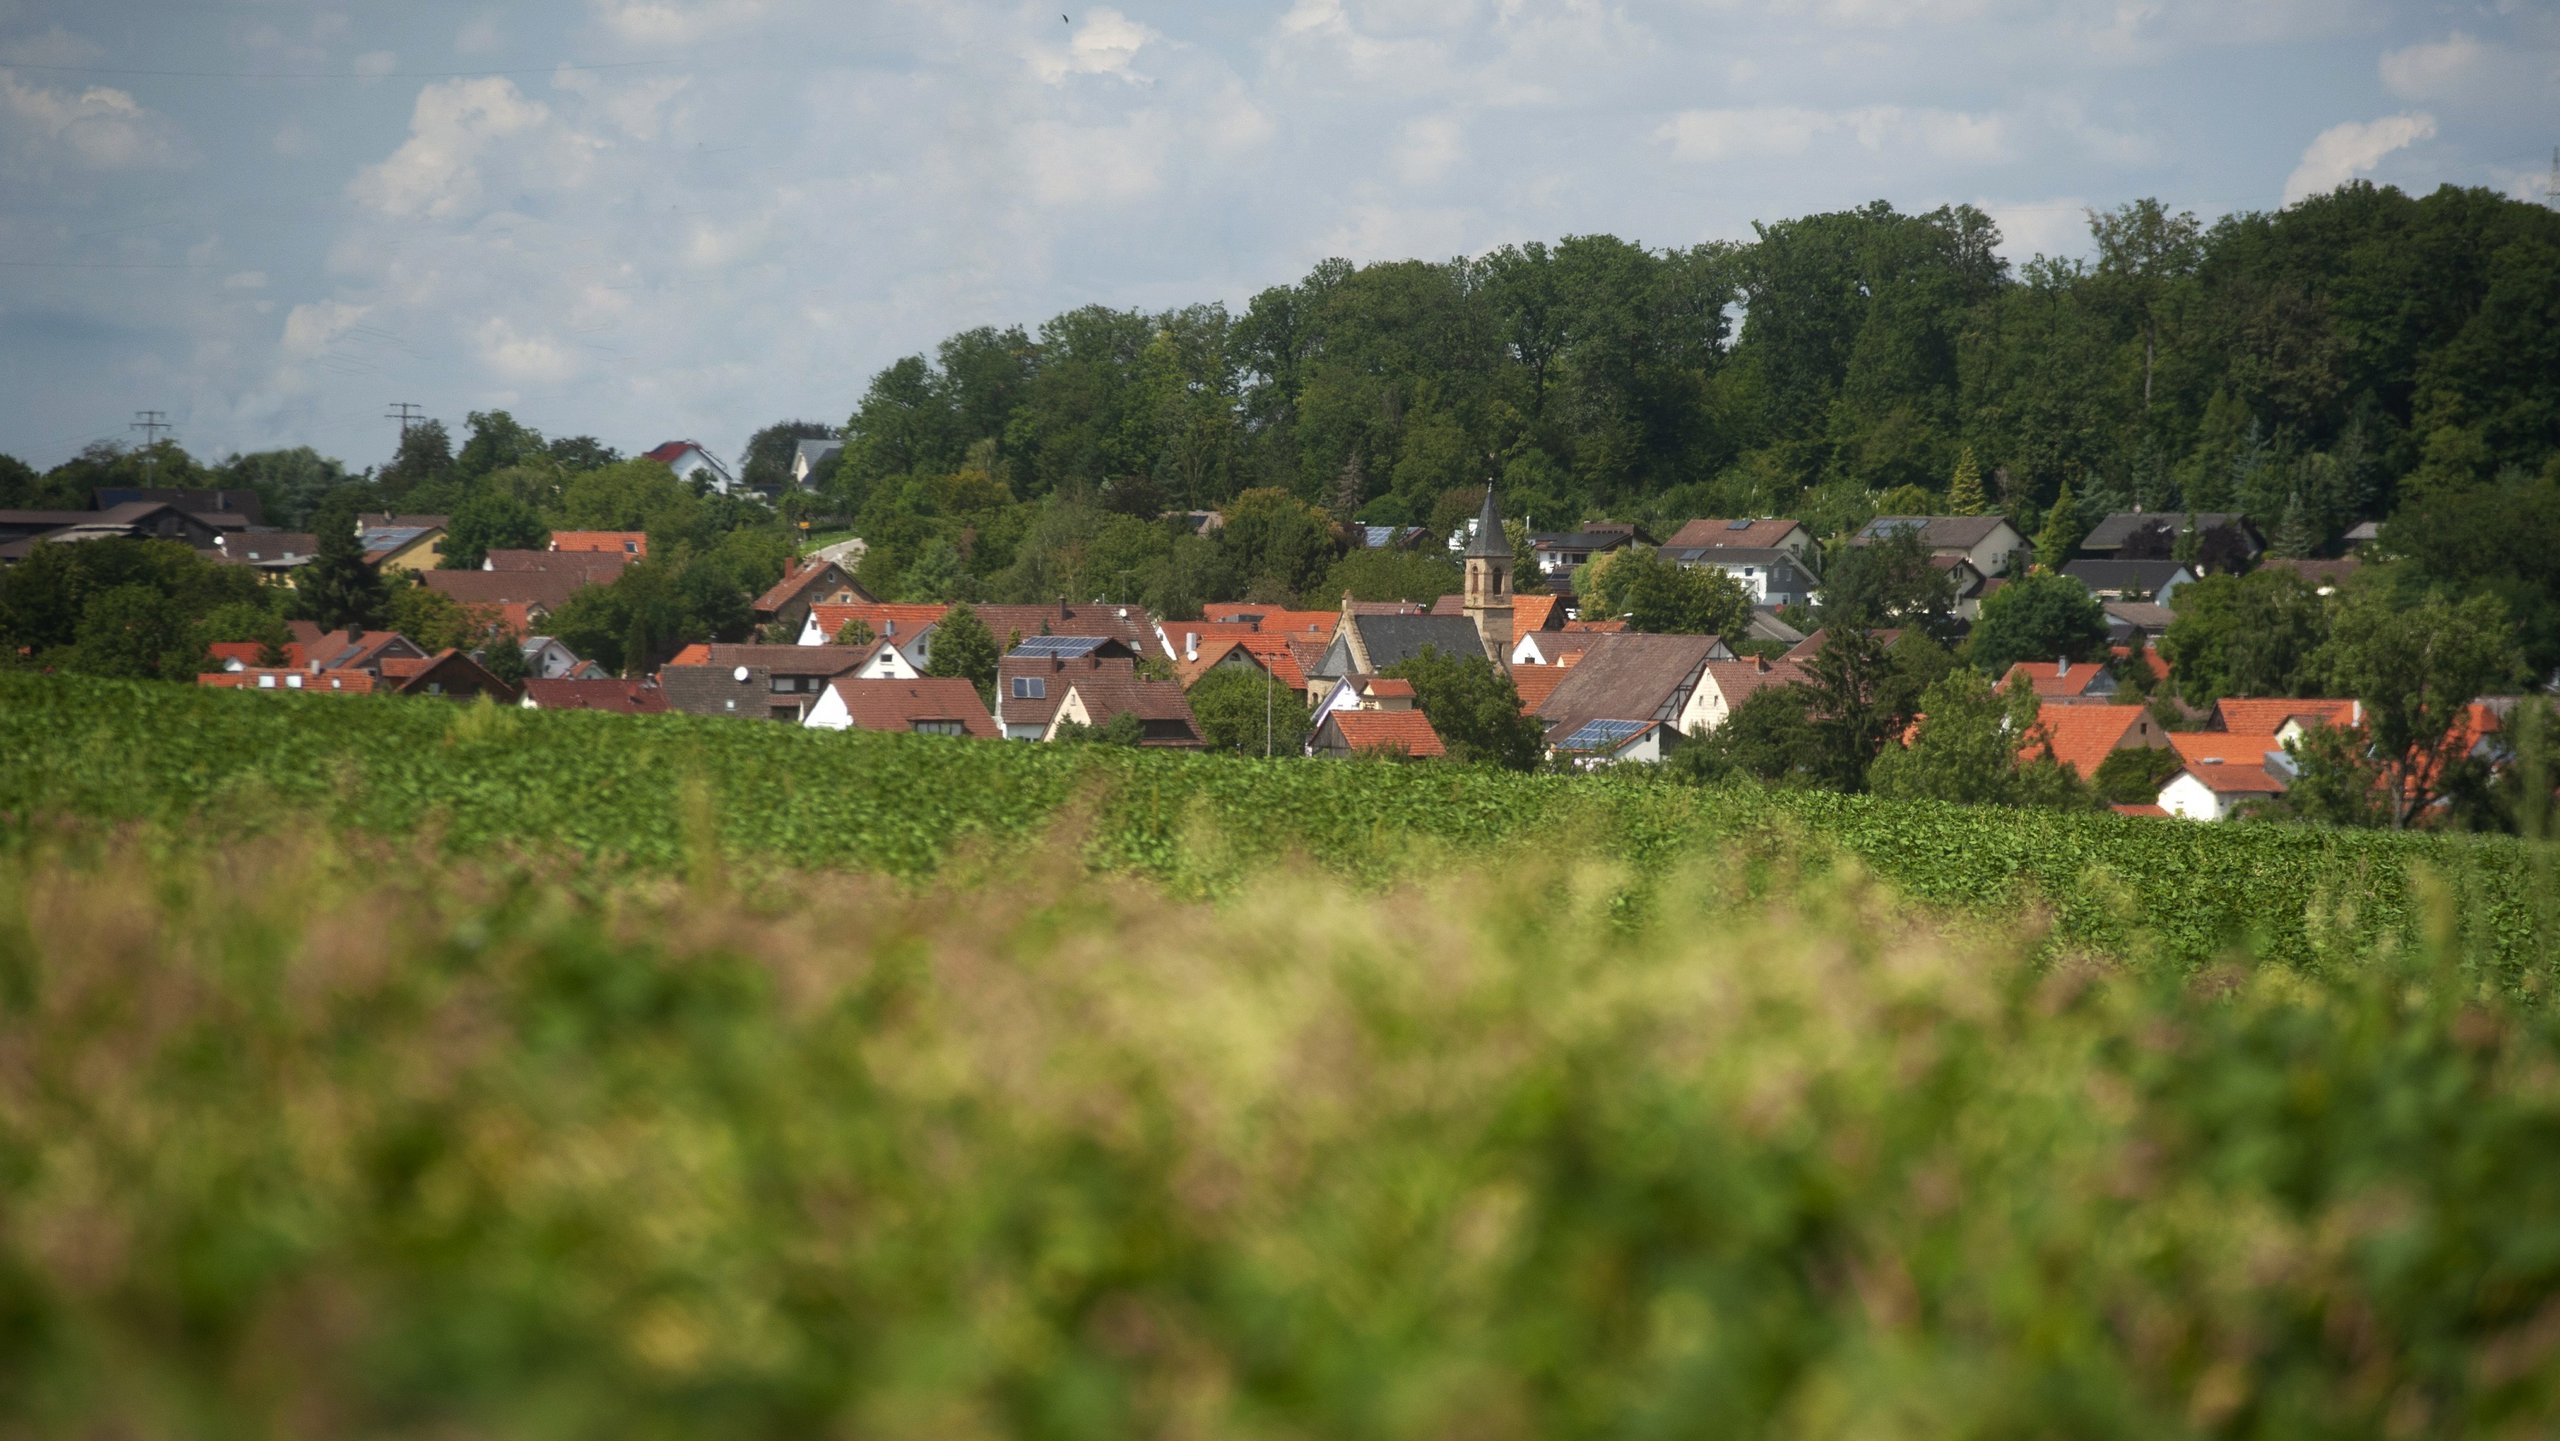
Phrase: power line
{"type": "Point", "coordinates": [332, 74]}
{"type": "Point", "coordinates": [150, 423]}
{"type": "Point", "coordinates": [408, 413]}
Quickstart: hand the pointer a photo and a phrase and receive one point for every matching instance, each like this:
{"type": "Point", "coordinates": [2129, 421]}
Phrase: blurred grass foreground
{"type": "Point", "coordinates": [336, 1138]}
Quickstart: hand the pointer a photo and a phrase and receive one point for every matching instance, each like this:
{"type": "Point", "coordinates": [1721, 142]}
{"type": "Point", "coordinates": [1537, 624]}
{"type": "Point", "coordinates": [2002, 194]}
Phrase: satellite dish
{"type": "Point", "coordinates": [741, 674]}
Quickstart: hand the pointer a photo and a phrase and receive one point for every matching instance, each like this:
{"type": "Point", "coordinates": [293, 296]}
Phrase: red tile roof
{"type": "Point", "coordinates": [1535, 683]}
{"type": "Point", "coordinates": [1528, 612]}
{"type": "Point", "coordinates": [2150, 810]}
{"type": "Point", "coordinates": [634, 543]}
{"type": "Point", "coordinates": [2224, 748]}
{"type": "Point", "coordinates": [1271, 619]}
{"type": "Point", "coordinates": [2055, 679]}
{"type": "Point", "coordinates": [2237, 779]}
{"type": "Point", "coordinates": [1273, 653]}
{"type": "Point", "coordinates": [341, 682]}
{"type": "Point", "coordinates": [1739, 680]}
{"type": "Point", "coordinates": [2083, 736]}
{"type": "Point", "coordinates": [1390, 688]}
{"type": "Point", "coordinates": [796, 581]}
{"type": "Point", "coordinates": [1408, 731]}
{"type": "Point", "coordinates": [2267, 716]}
{"type": "Point", "coordinates": [900, 623]}
{"type": "Point", "coordinates": [1159, 704]}
{"type": "Point", "coordinates": [896, 705]}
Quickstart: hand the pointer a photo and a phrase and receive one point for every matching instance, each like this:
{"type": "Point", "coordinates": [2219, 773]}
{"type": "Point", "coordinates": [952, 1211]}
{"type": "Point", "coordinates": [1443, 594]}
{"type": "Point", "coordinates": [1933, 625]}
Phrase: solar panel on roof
{"type": "Point", "coordinates": [1059, 647]}
{"type": "Point", "coordinates": [1602, 734]}
{"type": "Point", "coordinates": [1737, 525]}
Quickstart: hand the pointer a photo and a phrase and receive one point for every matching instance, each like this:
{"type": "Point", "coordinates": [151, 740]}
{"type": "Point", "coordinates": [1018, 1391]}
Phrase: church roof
{"type": "Point", "coordinates": [1489, 542]}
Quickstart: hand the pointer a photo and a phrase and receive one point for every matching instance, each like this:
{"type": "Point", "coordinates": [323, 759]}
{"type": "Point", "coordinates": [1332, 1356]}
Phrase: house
{"type": "Point", "coordinates": [327, 682]}
{"type": "Point", "coordinates": [1553, 647]}
{"type": "Point", "coordinates": [1368, 644]}
{"type": "Point", "coordinates": [1609, 742]}
{"type": "Point", "coordinates": [2226, 540]}
{"type": "Point", "coordinates": [1272, 655]}
{"type": "Point", "coordinates": [2285, 719]}
{"type": "Point", "coordinates": [1986, 542]}
{"type": "Point", "coordinates": [449, 673]}
{"type": "Point", "coordinates": [1271, 619]}
{"type": "Point", "coordinates": [692, 463]}
{"type": "Point", "coordinates": [1404, 734]}
{"type": "Point", "coordinates": [2129, 618]}
{"type": "Point", "coordinates": [622, 697]}
{"type": "Point", "coordinates": [1767, 533]}
{"type": "Point", "coordinates": [2151, 580]}
{"type": "Point", "coordinates": [904, 626]}
{"type": "Point", "coordinates": [2081, 737]}
{"type": "Point", "coordinates": [224, 510]}
{"type": "Point", "coordinates": [813, 582]}
{"type": "Point", "coordinates": [1130, 625]}
{"type": "Point", "coordinates": [1726, 684]}
{"type": "Point", "coordinates": [1968, 585]}
{"type": "Point", "coordinates": [811, 456]}
{"type": "Point", "coordinates": [1535, 683]}
{"type": "Point", "coordinates": [1164, 714]}
{"type": "Point", "coordinates": [388, 520]}
{"type": "Point", "coordinates": [2323, 576]}
{"type": "Point", "coordinates": [632, 544]}
{"type": "Point", "coordinates": [1774, 577]}
{"type": "Point", "coordinates": [1033, 680]}
{"type": "Point", "coordinates": [134, 520]}
{"type": "Point", "coordinates": [1557, 553]}
{"type": "Point", "coordinates": [600, 567]}
{"type": "Point", "coordinates": [353, 648]}
{"type": "Point", "coordinates": [275, 554]}
{"type": "Point", "coordinates": [394, 548]}
{"type": "Point", "coordinates": [934, 705]}
{"type": "Point", "coordinates": [1765, 625]}
{"type": "Point", "coordinates": [546, 658]}
{"type": "Point", "coordinates": [794, 675]}
{"type": "Point", "coordinates": [2364, 532]}
{"type": "Point", "coordinates": [522, 588]}
{"type": "Point", "coordinates": [2220, 774]}
{"type": "Point", "coordinates": [1635, 678]}
{"type": "Point", "coordinates": [2065, 681]}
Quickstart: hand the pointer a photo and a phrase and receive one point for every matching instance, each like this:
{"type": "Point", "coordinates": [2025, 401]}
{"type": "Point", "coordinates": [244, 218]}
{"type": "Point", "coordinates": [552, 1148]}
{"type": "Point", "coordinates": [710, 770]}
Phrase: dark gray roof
{"type": "Point", "coordinates": [1394, 639]}
{"type": "Point", "coordinates": [2146, 576]}
{"type": "Point", "coordinates": [2113, 531]}
{"type": "Point", "coordinates": [716, 690]}
{"type": "Point", "coordinates": [1629, 677]}
{"type": "Point", "coordinates": [1489, 542]}
{"type": "Point", "coordinates": [1940, 532]}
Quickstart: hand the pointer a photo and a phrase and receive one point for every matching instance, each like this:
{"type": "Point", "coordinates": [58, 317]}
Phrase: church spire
{"type": "Point", "coordinates": [1488, 597]}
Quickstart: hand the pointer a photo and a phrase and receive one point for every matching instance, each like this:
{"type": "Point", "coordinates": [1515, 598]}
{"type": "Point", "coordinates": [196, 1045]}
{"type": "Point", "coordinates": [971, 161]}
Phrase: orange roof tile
{"type": "Point", "coordinates": [1391, 688]}
{"type": "Point", "coordinates": [1272, 619]}
{"type": "Point", "coordinates": [2150, 810]}
{"type": "Point", "coordinates": [1371, 730]}
{"type": "Point", "coordinates": [2244, 716]}
{"type": "Point", "coordinates": [618, 542]}
{"type": "Point", "coordinates": [2083, 736]}
{"type": "Point", "coordinates": [1604, 627]}
{"type": "Point", "coordinates": [2056, 679]}
{"type": "Point", "coordinates": [2222, 748]}
{"type": "Point", "coordinates": [1535, 683]}
{"type": "Point", "coordinates": [1273, 653]}
{"type": "Point", "coordinates": [898, 623]}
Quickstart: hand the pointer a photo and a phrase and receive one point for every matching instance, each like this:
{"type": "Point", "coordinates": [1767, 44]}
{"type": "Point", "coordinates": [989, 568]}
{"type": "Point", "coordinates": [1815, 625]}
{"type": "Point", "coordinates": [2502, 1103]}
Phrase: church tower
{"type": "Point", "coordinates": [1488, 598]}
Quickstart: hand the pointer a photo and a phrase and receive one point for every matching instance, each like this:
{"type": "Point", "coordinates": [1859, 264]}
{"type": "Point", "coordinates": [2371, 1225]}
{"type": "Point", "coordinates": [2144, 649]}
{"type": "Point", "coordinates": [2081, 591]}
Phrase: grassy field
{"type": "Point", "coordinates": [394, 1069]}
{"type": "Point", "coordinates": [305, 1138]}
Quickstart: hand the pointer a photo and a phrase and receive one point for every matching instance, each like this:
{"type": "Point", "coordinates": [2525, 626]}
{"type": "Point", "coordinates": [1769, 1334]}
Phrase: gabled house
{"type": "Point", "coordinates": [2081, 737]}
{"type": "Point", "coordinates": [1609, 742]}
{"type": "Point", "coordinates": [740, 692]}
{"type": "Point", "coordinates": [2151, 580]}
{"type": "Point", "coordinates": [1968, 585]}
{"type": "Point", "coordinates": [2221, 773]}
{"type": "Point", "coordinates": [1030, 687]}
{"type": "Point", "coordinates": [2136, 535]}
{"type": "Point", "coordinates": [631, 545]}
{"type": "Point", "coordinates": [1559, 552]}
{"type": "Point", "coordinates": [1270, 655]}
{"type": "Point", "coordinates": [1987, 542]}
{"type": "Point", "coordinates": [692, 463]}
{"type": "Point", "coordinates": [1535, 683]}
{"type": "Point", "coordinates": [811, 456]}
{"type": "Point", "coordinates": [1553, 647]}
{"type": "Point", "coordinates": [2065, 682]}
{"type": "Point", "coordinates": [546, 658]}
{"type": "Point", "coordinates": [2323, 576]}
{"type": "Point", "coordinates": [622, 697]}
{"type": "Point", "coordinates": [1384, 537]}
{"type": "Point", "coordinates": [794, 675]}
{"type": "Point", "coordinates": [903, 626]}
{"type": "Point", "coordinates": [395, 548]}
{"type": "Point", "coordinates": [450, 674]}
{"type": "Point", "coordinates": [224, 510]}
{"type": "Point", "coordinates": [1399, 734]}
{"type": "Point", "coordinates": [1726, 684]}
{"type": "Point", "coordinates": [134, 520]}
{"type": "Point", "coordinates": [809, 583]}
{"type": "Point", "coordinates": [1635, 678]}
{"type": "Point", "coordinates": [353, 648]}
{"type": "Point", "coordinates": [275, 554]}
{"type": "Point", "coordinates": [534, 589]}
{"type": "Point", "coordinates": [937, 705]}
{"type": "Point", "coordinates": [2129, 618]}
{"type": "Point", "coordinates": [1767, 533]}
{"type": "Point", "coordinates": [1164, 714]}
{"type": "Point", "coordinates": [1772, 576]}
{"type": "Point", "coordinates": [1130, 625]}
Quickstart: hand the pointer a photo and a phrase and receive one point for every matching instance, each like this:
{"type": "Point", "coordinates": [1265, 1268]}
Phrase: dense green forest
{"type": "Point", "coordinates": [2365, 355]}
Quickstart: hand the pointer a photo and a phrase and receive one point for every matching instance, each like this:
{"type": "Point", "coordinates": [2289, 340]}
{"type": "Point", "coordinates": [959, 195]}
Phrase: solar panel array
{"type": "Point", "coordinates": [1060, 647]}
{"type": "Point", "coordinates": [1602, 734]}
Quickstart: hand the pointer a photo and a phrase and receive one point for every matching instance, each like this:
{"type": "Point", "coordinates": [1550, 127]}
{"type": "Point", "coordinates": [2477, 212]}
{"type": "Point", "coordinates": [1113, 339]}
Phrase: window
{"type": "Point", "coordinates": [786, 712]}
{"type": "Point", "coordinates": [266, 682]}
{"type": "Point", "coordinates": [631, 547]}
{"type": "Point", "coordinates": [1030, 687]}
{"type": "Point", "coordinates": [785, 684]}
{"type": "Point", "coordinates": [939, 728]}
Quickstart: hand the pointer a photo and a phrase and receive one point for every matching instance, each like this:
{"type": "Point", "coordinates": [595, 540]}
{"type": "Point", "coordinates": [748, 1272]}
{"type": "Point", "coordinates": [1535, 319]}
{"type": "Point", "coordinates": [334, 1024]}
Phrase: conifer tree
{"type": "Point", "coordinates": [2294, 537]}
{"type": "Point", "coordinates": [337, 588]}
{"type": "Point", "coordinates": [2061, 533]}
{"type": "Point", "coordinates": [1965, 495]}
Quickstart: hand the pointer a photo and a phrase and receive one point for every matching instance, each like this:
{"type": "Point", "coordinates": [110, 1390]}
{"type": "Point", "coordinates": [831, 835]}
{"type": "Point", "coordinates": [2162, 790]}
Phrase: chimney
{"type": "Point", "coordinates": [355, 632]}
{"type": "Point", "coordinates": [1191, 645]}
{"type": "Point", "coordinates": [2062, 667]}
{"type": "Point", "coordinates": [1760, 663]}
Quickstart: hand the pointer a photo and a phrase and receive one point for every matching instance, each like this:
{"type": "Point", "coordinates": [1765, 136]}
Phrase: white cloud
{"type": "Point", "coordinates": [636, 109]}
{"type": "Point", "coordinates": [55, 46]}
{"type": "Point", "coordinates": [673, 22]}
{"type": "Point", "coordinates": [2343, 152]}
{"type": "Point", "coordinates": [1072, 165]}
{"type": "Point", "coordinates": [435, 173]}
{"type": "Point", "coordinates": [1102, 42]}
{"type": "Point", "coordinates": [102, 128]}
{"type": "Point", "coordinates": [522, 359]}
{"type": "Point", "coordinates": [310, 329]}
{"type": "Point", "coordinates": [2464, 71]}
{"type": "Point", "coordinates": [1429, 148]}
{"type": "Point", "coordinates": [2029, 228]}
{"type": "Point", "coordinates": [1789, 130]}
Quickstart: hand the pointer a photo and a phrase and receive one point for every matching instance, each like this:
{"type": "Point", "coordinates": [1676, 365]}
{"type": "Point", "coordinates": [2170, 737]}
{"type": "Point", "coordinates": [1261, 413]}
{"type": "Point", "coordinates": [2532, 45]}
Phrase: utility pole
{"type": "Point", "coordinates": [2551, 187]}
{"type": "Point", "coordinates": [151, 423]}
{"type": "Point", "coordinates": [405, 412]}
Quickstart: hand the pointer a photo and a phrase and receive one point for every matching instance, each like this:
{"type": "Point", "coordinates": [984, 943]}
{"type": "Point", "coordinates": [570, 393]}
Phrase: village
{"type": "Point", "coordinates": [827, 655]}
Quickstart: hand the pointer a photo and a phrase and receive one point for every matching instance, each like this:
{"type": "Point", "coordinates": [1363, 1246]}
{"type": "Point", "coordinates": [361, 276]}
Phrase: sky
{"type": "Point", "coordinates": [648, 220]}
